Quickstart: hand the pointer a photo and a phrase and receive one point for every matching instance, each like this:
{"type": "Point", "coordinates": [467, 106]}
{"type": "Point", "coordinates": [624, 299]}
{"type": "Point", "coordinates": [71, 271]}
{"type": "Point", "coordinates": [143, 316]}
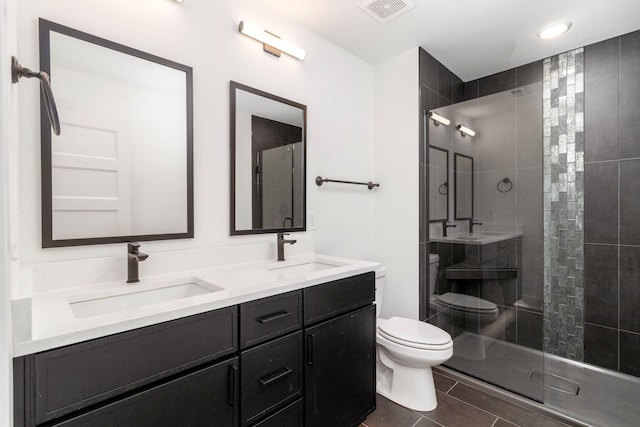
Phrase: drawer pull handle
{"type": "Point", "coordinates": [232, 374]}
{"type": "Point", "coordinates": [271, 317]}
{"type": "Point", "coordinates": [274, 376]}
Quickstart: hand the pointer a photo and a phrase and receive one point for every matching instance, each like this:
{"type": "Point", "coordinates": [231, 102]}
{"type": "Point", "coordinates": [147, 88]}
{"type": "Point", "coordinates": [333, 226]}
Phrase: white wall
{"type": "Point", "coordinates": [396, 130]}
{"type": "Point", "coordinates": [7, 144]}
{"type": "Point", "coordinates": [335, 85]}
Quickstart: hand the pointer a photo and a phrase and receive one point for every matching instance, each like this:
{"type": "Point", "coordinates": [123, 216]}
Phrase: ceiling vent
{"type": "Point", "coordinates": [386, 10]}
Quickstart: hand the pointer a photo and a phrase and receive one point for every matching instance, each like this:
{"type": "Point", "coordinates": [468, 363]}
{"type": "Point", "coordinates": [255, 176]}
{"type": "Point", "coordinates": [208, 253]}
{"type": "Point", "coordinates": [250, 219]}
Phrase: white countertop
{"type": "Point", "coordinates": [481, 238]}
{"type": "Point", "coordinates": [54, 324]}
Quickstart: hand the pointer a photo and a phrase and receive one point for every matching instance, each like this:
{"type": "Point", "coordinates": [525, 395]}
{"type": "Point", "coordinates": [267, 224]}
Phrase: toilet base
{"type": "Point", "coordinates": [469, 346]}
{"type": "Point", "coordinates": [412, 388]}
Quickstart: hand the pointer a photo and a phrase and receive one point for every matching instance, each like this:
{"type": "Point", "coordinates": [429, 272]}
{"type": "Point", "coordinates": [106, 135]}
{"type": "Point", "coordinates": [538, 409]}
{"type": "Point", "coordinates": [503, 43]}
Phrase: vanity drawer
{"type": "Point", "coordinates": [79, 375]}
{"type": "Point", "coordinates": [271, 375]}
{"type": "Point", "coordinates": [337, 297]}
{"type": "Point", "coordinates": [291, 416]}
{"type": "Point", "coordinates": [269, 318]}
{"type": "Point", "coordinates": [204, 398]}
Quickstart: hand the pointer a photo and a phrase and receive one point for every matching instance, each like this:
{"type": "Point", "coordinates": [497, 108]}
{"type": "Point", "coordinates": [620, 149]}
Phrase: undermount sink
{"type": "Point", "coordinates": [305, 268]}
{"type": "Point", "coordinates": [94, 305]}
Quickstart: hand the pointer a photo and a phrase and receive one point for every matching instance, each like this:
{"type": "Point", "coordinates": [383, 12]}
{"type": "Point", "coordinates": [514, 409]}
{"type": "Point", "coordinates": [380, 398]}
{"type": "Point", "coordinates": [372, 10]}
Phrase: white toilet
{"type": "Point", "coordinates": [406, 351]}
{"type": "Point", "coordinates": [467, 346]}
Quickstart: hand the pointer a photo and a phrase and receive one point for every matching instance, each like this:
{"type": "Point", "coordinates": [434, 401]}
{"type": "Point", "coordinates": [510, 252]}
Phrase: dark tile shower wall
{"type": "Point", "coordinates": [612, 204]}
{"type": "Point", "coordinates": [439, 87]}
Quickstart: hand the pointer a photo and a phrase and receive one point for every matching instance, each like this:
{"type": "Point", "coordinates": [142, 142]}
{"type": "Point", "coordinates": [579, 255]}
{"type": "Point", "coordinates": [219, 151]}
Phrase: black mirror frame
{"type": "Point", "coordinates": [447, 183]}
{"type": "Point", "coordinates": [455, 178]}
{"type": "Point", "coordinates": [45, 28]}
{"type": "Point", "coordinates": [233, 86]}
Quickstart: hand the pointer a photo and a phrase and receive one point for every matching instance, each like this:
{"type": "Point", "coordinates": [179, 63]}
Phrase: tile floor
{"type": "Point", "coordinates": [459, 405]}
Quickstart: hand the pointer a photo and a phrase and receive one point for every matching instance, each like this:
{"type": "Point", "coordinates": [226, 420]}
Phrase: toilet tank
{"type": "Point", "coordinates": [380, 274]}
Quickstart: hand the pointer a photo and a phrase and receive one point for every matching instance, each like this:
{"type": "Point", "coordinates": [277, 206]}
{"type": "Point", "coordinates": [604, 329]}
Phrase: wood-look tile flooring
{"type": "Point", "coordinates": [459, 405]}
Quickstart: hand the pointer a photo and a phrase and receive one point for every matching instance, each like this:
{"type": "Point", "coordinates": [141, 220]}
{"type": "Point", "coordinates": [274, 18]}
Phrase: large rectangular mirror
{"type": "Point", "coordinates": [438, 184]}
{"type": "Point", "coordinates": [122, 167]}
{"type": "Point", "coordinates": [268, 162]}
{"type": "Point", "coordinates": [463, 173]}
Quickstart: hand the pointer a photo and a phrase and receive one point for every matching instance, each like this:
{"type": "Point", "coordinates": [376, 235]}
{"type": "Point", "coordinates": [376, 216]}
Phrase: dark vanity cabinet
{"type": "Point", "coordinates": [116, 380]}
{"type": "Point", "coordinates": [340, 365]}
{"type": "Point", "coordinates": [302, 358]}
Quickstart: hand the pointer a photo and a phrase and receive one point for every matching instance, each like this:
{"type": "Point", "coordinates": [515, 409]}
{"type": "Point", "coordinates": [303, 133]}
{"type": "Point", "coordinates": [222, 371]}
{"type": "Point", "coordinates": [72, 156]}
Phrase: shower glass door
{"type": "Point", "coordinates": [490, 281]}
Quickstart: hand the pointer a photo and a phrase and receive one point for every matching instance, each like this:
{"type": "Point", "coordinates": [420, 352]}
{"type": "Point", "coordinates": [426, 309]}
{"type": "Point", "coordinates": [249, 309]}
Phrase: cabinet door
{"type": "Point", "coordinates": [71, 378]}
{"type": "Point", "coordinates": [205, 398]}
{"type": "Point", "coordinates": [340, 370]}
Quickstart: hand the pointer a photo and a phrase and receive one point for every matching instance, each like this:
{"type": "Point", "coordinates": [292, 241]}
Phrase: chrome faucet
{"type": "Point", "coordinates": [134, 256]}
{"type": "Point", "coordinates": [445, 226]}
{"type": "Point", "coordinates": [281, 243]}
{"type": "Point", "coordinates": [473, 222]}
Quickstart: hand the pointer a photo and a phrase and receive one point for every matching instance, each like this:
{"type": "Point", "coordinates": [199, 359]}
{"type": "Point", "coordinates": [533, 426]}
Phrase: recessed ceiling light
{"type": "Point", "coordinates": [554, 30]}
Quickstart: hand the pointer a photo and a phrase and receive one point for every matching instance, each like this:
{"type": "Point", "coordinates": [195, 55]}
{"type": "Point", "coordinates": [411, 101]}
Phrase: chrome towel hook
{"type": "Point", "coordinates": [18, 71]}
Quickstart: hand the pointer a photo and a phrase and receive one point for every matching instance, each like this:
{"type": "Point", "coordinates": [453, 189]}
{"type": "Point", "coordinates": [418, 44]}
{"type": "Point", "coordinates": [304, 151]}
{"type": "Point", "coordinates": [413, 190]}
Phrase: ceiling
{"type": "Point", "coordinates": [473, 38]}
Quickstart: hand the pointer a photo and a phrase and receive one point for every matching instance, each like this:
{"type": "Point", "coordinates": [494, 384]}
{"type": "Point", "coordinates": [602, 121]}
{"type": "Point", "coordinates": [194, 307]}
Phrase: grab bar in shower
{"type": "Point", "coordinates": [320, 180]}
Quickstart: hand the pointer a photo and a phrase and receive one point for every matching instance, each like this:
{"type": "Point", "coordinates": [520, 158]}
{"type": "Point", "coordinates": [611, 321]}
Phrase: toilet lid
{"type": "Point", "coordinates": [409, 331]}
{"type": "Point", "coordinates": [467, 303]}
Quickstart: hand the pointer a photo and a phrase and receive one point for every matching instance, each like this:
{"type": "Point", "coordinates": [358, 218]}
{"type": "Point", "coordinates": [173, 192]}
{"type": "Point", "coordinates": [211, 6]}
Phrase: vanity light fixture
{"type": "Point", "coordinates": [271, 43]}
{"type": "Point", "coordinates": [438, 119]}
{"type": "Point", "coordinates": [554, 30]}
{"type": "Point", "coordinates": [465, 131]}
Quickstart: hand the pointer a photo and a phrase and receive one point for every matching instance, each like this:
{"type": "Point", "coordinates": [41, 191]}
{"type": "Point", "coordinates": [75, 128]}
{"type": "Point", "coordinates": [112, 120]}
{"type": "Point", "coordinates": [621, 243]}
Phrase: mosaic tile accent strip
{"type": "Point", "coordinates": [563, 150]}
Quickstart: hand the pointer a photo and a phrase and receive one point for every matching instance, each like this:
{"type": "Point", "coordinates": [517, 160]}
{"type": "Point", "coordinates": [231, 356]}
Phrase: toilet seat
{"type": "Point", "coordinates": [415, 334]}
{"type": "Point", "coordinates": [467, 303]}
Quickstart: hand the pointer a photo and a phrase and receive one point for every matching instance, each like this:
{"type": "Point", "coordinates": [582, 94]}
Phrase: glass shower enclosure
{"type": "Point", "coordinates": [507, 222]}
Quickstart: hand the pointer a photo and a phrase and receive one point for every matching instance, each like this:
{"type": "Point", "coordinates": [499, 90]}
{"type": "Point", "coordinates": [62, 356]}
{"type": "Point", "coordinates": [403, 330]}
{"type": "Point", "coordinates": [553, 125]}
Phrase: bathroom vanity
{"type": "Point", "coordinates": [487, 263]}
{"type": "Point", "coordinates": [297, 352]}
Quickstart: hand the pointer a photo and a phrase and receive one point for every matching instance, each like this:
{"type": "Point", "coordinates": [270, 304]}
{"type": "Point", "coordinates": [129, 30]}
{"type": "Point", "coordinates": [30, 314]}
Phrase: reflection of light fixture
{"type": "Point", "coordinates": [438, 119]}
{"type": "Point", "coordinates": [554, 30]}
{"type": "Point", "coordinates": [464, 131]}
{"type": "Point", "coordinates": [271, 43]}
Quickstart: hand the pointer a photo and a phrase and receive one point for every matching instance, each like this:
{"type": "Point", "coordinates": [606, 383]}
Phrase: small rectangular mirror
{"type": "Point", "coordinates": [122, 168]}
{"type": "Point", "coordinates": [268, 162]}
{"type": "Point", "coordinates": [438, 184]}
{"type": "Point", "coordinates": [463, 175]}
